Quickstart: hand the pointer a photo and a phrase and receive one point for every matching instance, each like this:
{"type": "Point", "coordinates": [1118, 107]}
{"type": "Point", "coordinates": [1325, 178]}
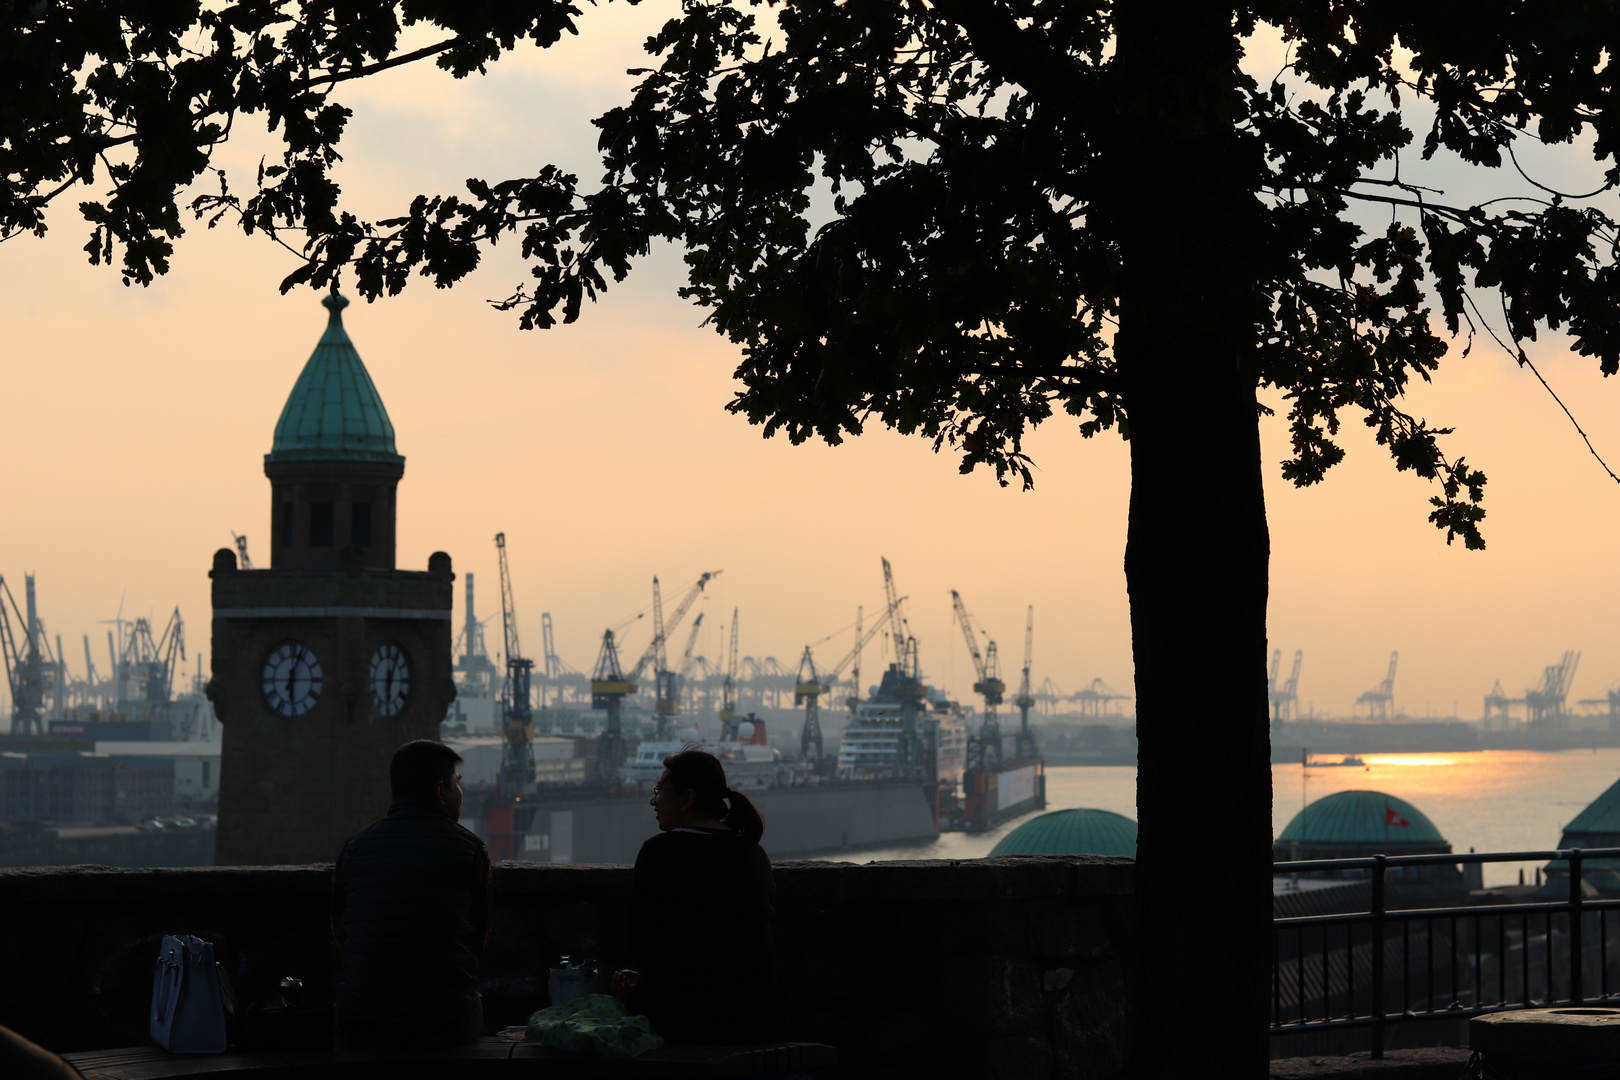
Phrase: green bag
{"type": "Point", "coordinates": [596, 1023]}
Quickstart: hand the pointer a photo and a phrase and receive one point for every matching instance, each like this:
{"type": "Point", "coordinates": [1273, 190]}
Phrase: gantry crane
{"type": "Point", "coordinates": [983, 750]}
{"type": "Point", "coordinates": [517, 712]}
{"type": "Point", "coordinates": [666, 707]}
{"type": "Point", "coordinates": [728, 689]}
{"type": "Point", "coordinates": [1284, 699]}
{"type": "Point", "coordinates": [1380, 700]}
{"type": "Point", "coordinates": [1024, 748]}
{"type": "Point", "coordinates": [609, 686]}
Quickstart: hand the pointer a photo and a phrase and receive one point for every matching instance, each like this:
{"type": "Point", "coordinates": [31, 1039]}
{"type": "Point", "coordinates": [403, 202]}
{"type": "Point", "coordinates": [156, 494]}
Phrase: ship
{"type": "Point", "coordinates": [805, 812]}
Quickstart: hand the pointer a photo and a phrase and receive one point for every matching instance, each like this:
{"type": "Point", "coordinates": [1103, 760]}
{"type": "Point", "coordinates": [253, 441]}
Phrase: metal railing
{"type": "Point", "coordinates": [1352, 969]}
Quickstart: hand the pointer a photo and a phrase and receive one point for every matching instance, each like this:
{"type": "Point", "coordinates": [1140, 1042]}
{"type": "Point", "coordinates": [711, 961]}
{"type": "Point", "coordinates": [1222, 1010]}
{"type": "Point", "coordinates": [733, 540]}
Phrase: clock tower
{"type": "Point", "coordinates": [326, 662]}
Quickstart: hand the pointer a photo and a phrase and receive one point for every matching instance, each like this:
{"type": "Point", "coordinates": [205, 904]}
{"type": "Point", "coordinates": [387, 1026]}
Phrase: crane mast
{"type": "Point", "coordinates": [728, 689]}
{"type": "Point", "coordinates": [609, 685]}
{"type": "Point", "coordinates": [1025, 746]}
{"type": "Point", "coordinates": [854, 699]}
{"type": "Point", "coordinates": [24, 673]}
{"type": "Point", "coordinates": [517, 713]}
{"type": "Point", "coordinates": [807, 691]}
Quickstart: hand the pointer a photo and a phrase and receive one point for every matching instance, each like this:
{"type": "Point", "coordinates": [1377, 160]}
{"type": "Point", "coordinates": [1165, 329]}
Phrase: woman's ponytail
{"type": "Point", "coordinates": [700, 772]}
{"type": "Point", "coordinates": [743, 816]}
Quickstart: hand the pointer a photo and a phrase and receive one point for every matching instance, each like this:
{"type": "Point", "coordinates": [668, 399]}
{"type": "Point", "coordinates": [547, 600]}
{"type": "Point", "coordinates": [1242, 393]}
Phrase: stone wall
{"type": "Point", "coordinates": [1011, 967]}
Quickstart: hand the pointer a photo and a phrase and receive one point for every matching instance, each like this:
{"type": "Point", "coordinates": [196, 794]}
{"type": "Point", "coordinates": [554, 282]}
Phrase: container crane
{"type": "Point", "coordinates": [1284, 700]}
{"type": "Point", "coordinates": [984, 750]}
{"type": "Point", "coordinates": [1380, 700]}
{"type": "Point", "coordinates": [1025, 746]}
{"type": "Point", "coordinates": [609, 686]}
{"type": "Point", "coordinates": [517, 713]}
{"type": "Point", "coordinates": [728, 689]}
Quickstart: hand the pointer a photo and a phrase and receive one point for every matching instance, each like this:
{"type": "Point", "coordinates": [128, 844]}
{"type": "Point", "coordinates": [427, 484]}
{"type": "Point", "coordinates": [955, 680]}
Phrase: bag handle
{"type": "Point", "coordinates": [168, 985]}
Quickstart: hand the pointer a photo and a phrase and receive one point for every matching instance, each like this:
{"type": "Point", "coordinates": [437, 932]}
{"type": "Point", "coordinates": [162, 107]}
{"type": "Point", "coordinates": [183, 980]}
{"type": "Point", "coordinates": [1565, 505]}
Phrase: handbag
{"type": "Point", "coordinates": [189, 997]}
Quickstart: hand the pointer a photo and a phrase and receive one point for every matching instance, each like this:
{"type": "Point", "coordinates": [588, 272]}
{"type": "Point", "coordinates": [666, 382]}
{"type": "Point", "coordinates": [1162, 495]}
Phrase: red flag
{"type": "Point", "coordinates": [1392, 818]}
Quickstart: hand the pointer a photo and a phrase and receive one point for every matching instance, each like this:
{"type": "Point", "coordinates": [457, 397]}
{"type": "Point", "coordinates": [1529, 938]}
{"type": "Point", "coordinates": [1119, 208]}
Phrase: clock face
{"type": "Point", "coordinates": [390, 679]}
{"type": "Point", "coordinates": [291, 680]}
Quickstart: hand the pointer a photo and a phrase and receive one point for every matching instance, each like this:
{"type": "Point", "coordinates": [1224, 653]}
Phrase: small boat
{"type": "Point", "coordinates": [1349, 760]}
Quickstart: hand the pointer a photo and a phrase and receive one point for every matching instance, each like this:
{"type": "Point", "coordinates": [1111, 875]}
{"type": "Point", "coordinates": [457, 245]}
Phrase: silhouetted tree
{"type": "Point", "coordinates": [958, 218]}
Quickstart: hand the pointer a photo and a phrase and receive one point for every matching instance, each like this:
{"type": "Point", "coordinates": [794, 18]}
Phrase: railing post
{"type": "Point", "coordinates": [1377, 957]}
{"type": "Point", "coordinates": [1576, 990]}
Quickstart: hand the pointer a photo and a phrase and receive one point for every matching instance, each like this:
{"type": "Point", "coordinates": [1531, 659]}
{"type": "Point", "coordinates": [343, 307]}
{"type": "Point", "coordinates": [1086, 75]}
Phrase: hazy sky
{"type": "Point", "coordinates": [137, 419]}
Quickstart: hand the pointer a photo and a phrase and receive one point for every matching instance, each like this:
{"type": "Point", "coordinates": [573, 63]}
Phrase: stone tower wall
{"type": "Point", "coordinates": [293, 789]}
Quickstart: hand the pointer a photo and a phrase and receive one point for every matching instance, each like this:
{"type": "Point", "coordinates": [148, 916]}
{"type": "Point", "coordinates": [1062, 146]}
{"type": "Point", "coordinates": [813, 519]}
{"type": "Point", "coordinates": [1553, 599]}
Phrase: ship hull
{"type": "Point", "coordinates": [992, 796]}
{"type": "Point", "coordinates": [798, 821]}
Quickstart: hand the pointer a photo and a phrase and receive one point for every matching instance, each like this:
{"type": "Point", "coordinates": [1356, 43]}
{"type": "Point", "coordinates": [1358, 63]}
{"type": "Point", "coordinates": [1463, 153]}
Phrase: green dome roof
{"type": "Point", "coordinates": [334, 413]}
{"type": "Point", "coordinates": [1071, 832]}
{"type": "Point", "coordinates": [1602, 815]}
{"type": "Point", "coordinates": [1360, 818]}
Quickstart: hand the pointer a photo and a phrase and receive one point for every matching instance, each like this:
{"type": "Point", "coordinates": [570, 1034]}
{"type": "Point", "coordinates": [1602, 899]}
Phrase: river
{"type": "Point", "coordinates": [1494, 800]}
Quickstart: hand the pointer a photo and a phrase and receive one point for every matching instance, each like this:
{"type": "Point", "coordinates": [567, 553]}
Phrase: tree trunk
{"type": "Point", "coordinates": [1197, 551]}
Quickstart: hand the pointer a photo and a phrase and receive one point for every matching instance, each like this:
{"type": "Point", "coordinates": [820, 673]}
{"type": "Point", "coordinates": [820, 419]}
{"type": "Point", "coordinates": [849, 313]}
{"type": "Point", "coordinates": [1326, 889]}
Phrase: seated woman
{"type": "Point", "coordinates": [700, 912]}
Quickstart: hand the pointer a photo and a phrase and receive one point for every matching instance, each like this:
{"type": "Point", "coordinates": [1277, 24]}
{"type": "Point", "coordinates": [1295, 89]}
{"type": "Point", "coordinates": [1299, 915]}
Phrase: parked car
{"type": "Point", "coordinates": [151, 824]}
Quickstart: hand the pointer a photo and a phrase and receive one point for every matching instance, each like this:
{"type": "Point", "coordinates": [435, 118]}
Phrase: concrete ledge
{"type": "Point", "coordinates": [484, 1058]}
{"type": "Point", "coordinates": [1428, 1063]}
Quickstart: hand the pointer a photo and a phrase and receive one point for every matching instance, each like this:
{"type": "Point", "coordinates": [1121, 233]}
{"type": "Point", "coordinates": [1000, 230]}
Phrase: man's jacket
{"type": "Point", "coordinates": [410, 907]}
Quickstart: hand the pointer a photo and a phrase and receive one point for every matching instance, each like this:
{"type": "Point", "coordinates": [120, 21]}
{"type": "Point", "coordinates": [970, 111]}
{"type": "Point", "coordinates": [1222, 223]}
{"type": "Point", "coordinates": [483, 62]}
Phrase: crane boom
{"type": "Point", "coordinates": [656, 652]}
{"type": "Point", "coordinates": [896, 619]}
{"type": "Point", "coordinates": [728, 689]}
{"type": "Point", "coordinates": [860, 643]}
{"type": "Point", "coordinates": [963, 621]}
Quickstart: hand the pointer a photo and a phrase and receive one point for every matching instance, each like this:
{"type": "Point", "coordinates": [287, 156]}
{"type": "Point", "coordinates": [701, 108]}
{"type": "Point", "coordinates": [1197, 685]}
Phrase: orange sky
{"type": "Point", "coordinates": [137, 420]}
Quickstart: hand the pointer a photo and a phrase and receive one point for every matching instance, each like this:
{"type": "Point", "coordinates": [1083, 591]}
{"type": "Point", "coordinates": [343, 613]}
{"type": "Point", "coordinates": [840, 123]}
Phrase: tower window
{"type": "Point", "coordinates": [320, 524]}
{"type": "Point", "coordinates": [360, 524]}
{"type": "Point", "coordinates": [286, 524]}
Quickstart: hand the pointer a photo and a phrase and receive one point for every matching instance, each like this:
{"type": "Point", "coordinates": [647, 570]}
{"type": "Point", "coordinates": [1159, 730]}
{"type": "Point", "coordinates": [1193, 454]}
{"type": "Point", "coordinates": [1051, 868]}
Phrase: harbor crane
{"type": "Point", "coordinates": [684, 672]}
{"type": "Point", "coordinates": [807, 691]}
{"type": "Point", "coordinates": [904, 680]}
{"type": "Point", "coordinates": [664, 680]}
{"type": "Point", "coordinates": [811, 683]}
{"type": "Point", "coordinates": [1545, 704]}
{"type": "Point", "coordinates": [1024, 748]}
{"type": "Point", "coordinates": [728, 688]}
{"type": "Point", "coordinates": [1284, 700]}
{"type": "Point", "coordinates": [609, 686]}
{"type": "Point", "coordinates": [1380, 700]}
{"type": "Point", "coordinates": [517, 712]}
{"type": "Point", "coordinates": [150, 662]}
{"type": "Point", "coordinates": [242, 560]}
{"type": "Point", "coordinates": [984, 749]}
{"type": "Point", "coordinates": [26, 660]}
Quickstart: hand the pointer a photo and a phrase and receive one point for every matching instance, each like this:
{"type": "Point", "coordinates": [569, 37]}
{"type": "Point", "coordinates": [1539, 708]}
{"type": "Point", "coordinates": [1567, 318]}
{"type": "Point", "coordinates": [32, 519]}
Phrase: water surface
{"type": "Point", "coordinates": [1495, 800]}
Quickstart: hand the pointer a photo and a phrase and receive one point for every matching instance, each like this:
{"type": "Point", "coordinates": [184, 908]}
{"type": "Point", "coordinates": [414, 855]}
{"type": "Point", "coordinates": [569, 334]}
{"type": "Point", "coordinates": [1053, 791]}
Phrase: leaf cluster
{"type": "Point", "coordinates": [906, 212]}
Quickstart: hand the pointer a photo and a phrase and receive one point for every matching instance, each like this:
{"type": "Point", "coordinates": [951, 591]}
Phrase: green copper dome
{"type": "Point", "coordinates": [1071, 832]}
{"type": "Point", "coordinates": [1360, 818]}
{"type": "Point", "coordinates": [1601, 816]}
{"type": "Point", "coordinates": [334, 412]}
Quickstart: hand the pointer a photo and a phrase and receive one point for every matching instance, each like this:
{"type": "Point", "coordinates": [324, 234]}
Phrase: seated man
{"type": "Point", "coordinates": [410, 907]}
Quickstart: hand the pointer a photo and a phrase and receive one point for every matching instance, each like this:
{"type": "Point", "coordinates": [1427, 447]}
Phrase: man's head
{"type": "Point", "coordinates": [424, 769]}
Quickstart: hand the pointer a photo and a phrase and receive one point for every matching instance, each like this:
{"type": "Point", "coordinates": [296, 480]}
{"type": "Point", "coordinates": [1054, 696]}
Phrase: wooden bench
{"type": "Point", "coordinates": [487, 1057]}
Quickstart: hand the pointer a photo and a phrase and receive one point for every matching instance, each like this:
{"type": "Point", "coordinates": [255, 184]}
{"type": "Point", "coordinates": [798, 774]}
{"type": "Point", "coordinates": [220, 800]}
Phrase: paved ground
{"type": "Point", "coordinates": [1430, 1063]}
